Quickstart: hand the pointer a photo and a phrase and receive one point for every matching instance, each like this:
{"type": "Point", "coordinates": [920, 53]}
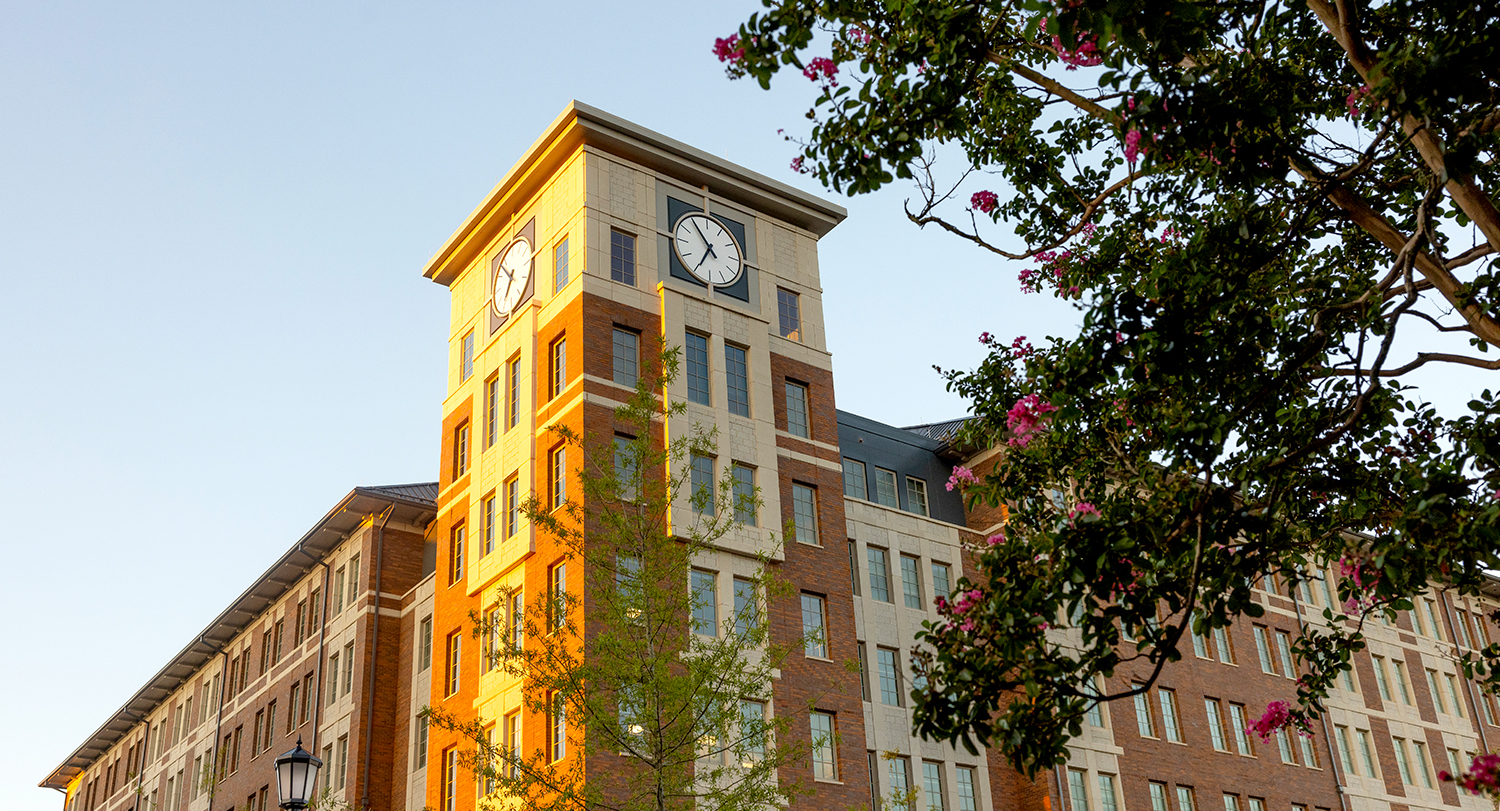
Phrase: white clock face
{"type": "Point", "coordinates": [707, 249]}
{"type": "Point", "coordinates": [512, 275]}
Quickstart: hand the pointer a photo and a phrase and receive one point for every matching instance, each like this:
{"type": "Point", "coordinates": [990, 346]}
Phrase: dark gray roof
{"type": "Point", "coordinates": [943, 432]}
{"type": "Point", "coordinates": [414, 504]}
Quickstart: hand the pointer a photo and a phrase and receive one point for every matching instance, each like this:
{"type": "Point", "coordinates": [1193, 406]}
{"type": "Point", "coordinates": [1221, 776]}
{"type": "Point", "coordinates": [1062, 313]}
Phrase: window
{"type": "Point", "coordinates": [450, 780]}
{"type": "Point", "coordinates": [1309, 754]}
{"type": "Point", "coordinates": [941, 583]}
{"type": "Point", "coordinates": [1284, 649]}
{"type": "Point", "coordinates": [1424, 768]}
{"type": "Point", "coordinates": [1231, 802]}
{"type": "Point", "coordinates": [888, 670]}
{"type": "Point", "coordinates": [424, 645]}
{"type": "Point", "coordinates": [1402, 762]}
{"type": "Point", "coordinates": [1078, 790]}
{"type": "Point", "coordinates": [1216, 724]}
{"type": "Point", "coordinates": [1185, 800]}
{"type": "Point", "coordinates": [746, 607]}
{"type": "Point", "coordinates": [932, 786]}
{"type": "Point", "coordinates": [348, 668]}
{"type": "Point", "coordinates": [1144, 723]}
{"type": "Point", "coordinates": [291, 706]}
{"type": "Point", "coordinates": [880, 578]}
{"type": "Point", "coordinates": [1462, 625]}
{"type": "Point", "coordinates": [622, 258]}
{"type": "Point", "coordinates": [1263, 647]}
{"type": "Point", "coordinates": [737, 380]}
{"type": "Point", "coordinates": [916, 495]}
{"type": "Point", "coordinates": [461, 451]}
{"type": "Point", "coordinates": [701, 480]}
{"type": "Point", "coordinates": [558, 476]}
{"type": "Point", "coordinates": [705, 602]}
{"type": "Point", "coordinates": [899, 772]}
{"type": "Point", "coordinates": [333, 677]}
{"type": "Point", "coordinates": [885, 488]}
{"type": "Point", "coordinates": [307, 698]}
{"type": "Point", "coordinates": [627, 483]}
{"type": "Point", "coordinates": [512, 392]}
{"type": "Point", "coordinates": [870, 761]}
{"type": "Point", "coordinates": [1226, 652]}
{"type": "Point", "coordinates": [854, 567]}
{"type": "Point", "coordinates": [512, 507]}
{"type": "Point", "coordinates": [968, 796]}
{"type": "Point", "coordinates": [854, 479]}
{"type": "Point", "coordinates": [911, 582]}
{"type": "Point", "coordinates": [493, 625]}
{"type": "Point", "coordinates": [466, 364]}
{"type": "Point", "coordinates": [1366, 752]}
{"type": "Point", "coordinates": [1095, 711]}
{"type": "Point", "coordinates": [452, 651]}
{"type": "Point", "coordinates": [814, 627]}
{"type": "Point", "coordinates": [789, 314]}
{"type": "Point", "coordinates": [1401, 681]}
{"type": "Point", "coordinates": [258, 737]}
{"type": "Point", "coordinates": [491, 410]}
{"type": "Point", "coordinates": [513, 742]}
{"type": "Point", "coordinates": [753, 729]}
{"type": "Point", "coordinates": [1169, 715]}
{"type": "Point", "coordinates": [557, 595]}
{"type": "Point", "coordinates": [626, 357]}
{"type": "Point", "coordinates": [696, 349]}
{"type": "Point", "coordinates": [1380, 677]}
{"type": "Point", "coordinates": [864, 671]}
{"type": "Point", "coordinates": [487, 523]}
{"type": "Point", "coordinates": [805, 513]}
{"type": "Point", "coordinates": [1432, 687]}
{"type": "Point", "coordinates": [557, 726]}
{"type": "Point", "coordinates": [1158, 796]}
{"type": "Point", "coordinates": [1284, 744]}
{"type": "Point", "coordinates": [744, 493]}
{"type": "Point", "coordinates": [1107, 801]}
{"type": "Point", "coordinates": [265, 664]}
{"type": "Point", "coordinates": [1346, 758]}
{"type": "Point", "coordinates": [456, 554]}
{"type": "Point", "coordinates": [824, 748]}
{"type": "Point", "coordinates": [796, 410]}
{"type": "Point", "coordinates": [1200, 642]}
{"type": "Point", "coordinates": [560, 266]}
{"type": "Point", "coordinates": [558, 366]}
{"type": "Point", "coordinates": [1456, 702]}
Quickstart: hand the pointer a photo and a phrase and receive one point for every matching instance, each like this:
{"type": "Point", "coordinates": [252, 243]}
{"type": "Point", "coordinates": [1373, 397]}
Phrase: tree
{"type": "Point", "coordinates": [640, 667]}
{"type": "Point", "coordinates": [1272, 217]}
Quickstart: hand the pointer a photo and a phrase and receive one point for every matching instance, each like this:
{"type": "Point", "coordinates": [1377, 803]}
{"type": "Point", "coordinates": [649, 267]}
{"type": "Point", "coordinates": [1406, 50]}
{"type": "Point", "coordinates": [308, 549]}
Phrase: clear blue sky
{"type": "Point", "coordinates": [213, 220]}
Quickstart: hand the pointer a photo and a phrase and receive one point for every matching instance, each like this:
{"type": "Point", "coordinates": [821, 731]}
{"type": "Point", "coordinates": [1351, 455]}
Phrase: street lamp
{"type": "Point", "coordinates": [296, 771]}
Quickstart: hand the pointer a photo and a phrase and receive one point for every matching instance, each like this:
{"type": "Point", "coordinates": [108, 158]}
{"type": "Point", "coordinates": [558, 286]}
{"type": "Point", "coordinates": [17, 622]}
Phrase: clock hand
{"type": "Point", "coordinates": [706, 243]}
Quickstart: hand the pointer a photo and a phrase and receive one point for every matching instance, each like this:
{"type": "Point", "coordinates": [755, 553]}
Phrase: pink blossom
{"type": "Point", "coordinates": [942, 604]}
{"type": "Point", "coordinates": [962, 477]}
{"type": "Point", "coordinates": [967, 600]}
{"type": "Point", "coordinates": [1276, 718]}
{"type": "Point", "coordinates": [1026, 417]}
{"type": "Point", "coordinates": [797, 166]}
{"type": "Point", "coordinates": [1495, 495]}
{"type": "Point", "coordinates": [1170, 234]}
{"type": "Point", "coordinates": [986, 338]}
{"type": "Point", "coordinates": [996, 539]}
{"type": "Point", "coordinates": [857, 34]}
{"type": "Point", "coordinates": [728, 49]}
{"type": "Point", "coordinates": [822, 69]}
{"type": "Point", "coordinates": [1084, 510]}
{"type": "Point", "coordinates": [1355, 99]}
{"type": "Point", "coordinates": [1133, 147]}
{"type": "Point", "coordinates": [1483, 775]}
{"type": "Point", "coordinates": [984, 201]}
{"type": "Point", "coordinates": [1020, 347]}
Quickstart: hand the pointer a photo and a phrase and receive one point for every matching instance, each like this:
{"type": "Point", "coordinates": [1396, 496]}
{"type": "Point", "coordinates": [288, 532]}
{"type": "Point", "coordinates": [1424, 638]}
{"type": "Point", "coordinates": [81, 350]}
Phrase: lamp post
{"type": "Point", "coordinates": [296, 771]}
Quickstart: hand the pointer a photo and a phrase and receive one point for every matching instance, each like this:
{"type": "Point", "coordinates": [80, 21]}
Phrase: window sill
{"type": "Point", "coordinates": [829, 782]}
{"type": "Point", "coordinates": [818, 658]}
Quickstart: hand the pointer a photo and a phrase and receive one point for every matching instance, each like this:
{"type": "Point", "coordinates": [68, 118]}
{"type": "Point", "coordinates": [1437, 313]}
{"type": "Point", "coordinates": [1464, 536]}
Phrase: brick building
{"type": "Point", "coordinates": [581, 252]}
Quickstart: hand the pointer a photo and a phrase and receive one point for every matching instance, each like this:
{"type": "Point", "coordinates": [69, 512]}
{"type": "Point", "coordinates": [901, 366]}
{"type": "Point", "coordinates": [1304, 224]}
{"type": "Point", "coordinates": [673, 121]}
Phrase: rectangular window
{"type": "Point", "coordinates": [1144, 723]}
{"type": "Point", "coordinates": [258, 737]}
{"type": "Point", "coordinates": [1284, 744]}
{"type": "Point", "coordinates": [1078, 790]}
{"type": "Point", "coordinates": [797, 423]}
{"type": "Point", "coordinates": [911, 582]}
{"type": "Point", "coordinates": [1169, 715]}
{"type": "Point", "coordinates": [456, 554]}
{"type": "Point", "coordinates": [941, 583]}
{"type": "Point", "coordinates": [424, 643]}
{"type": "Point", "coordinates": [814, 627]}
{"type": "Point", "coordinates": [805, 513]}
{"type": "Point", "coordinates": [512, 507]}
{"type": "Point", "coordinates": [560, 266]}
{"type": "Point", "coordinates": [487, 523]}
{"type": "Point", "coordinates": [1263, 647]}
{"type": "Point", "coordinates": [885, 488]}
{"type": "Point", "coordinates": [491, 410]}
{"type": "Point", "coordinates": [1158, 796]}
{"type": "Point", "coordinates": [696, 349]}
{"type": "Point", "coordinates": [746, 607]}
{"type": "Point", "coordinates": [1231, 802]}
{"type": "Point", "coordinates": [558, 476]}
{"type": "Point", "coordinates": [1366, 752]}
{"type": "Point", "coordinates": [1284, 650]}
{"type": "Point", "coordinates": [1437, 696]}
{"type": "Point", "coordinates": [744, 493]}
{"type": "Point", "coordinates": [512, 392]}
{"type": "Point", "coordinates": [854, 479]}
{"type": "Point", "coordinates": [1309, 754]}
{"type": "Point", "coordinates": [307, 698]}
{"type": "Point", "coordinates": [622, 258]}
{"type": "Point", "coordinates": [558, 366]}
{"type": "Point", "coordinates": [348, 668]}
{"type": "Point", "coordinates": [557, 595]}
{"type": "Point", "coordinates": [461, 451]}
{"type": "Point", "coordinates": [737, 380]}
{"type": "Point", "coordinates": [1216, 724]}
{"type": "Point", "coordinates": [880, 578]}
{"type": "Point", "coordinates": [824, 750]}
{"type": "Point", "coordinates": [1095, 712]}
{"type": "Point", "coordinates": [1424, 767]}
{"type": "Point", "coordinates": [452, 651]}
{"type": "Point", "coordinates": [1346, 757]}
{"type": "Point", "coordinates": [419, 756]}
{"type": "Point", "coordinates": [864, 671]}
{"type": "Point", "coordinates": [932, 786]}
{"type": "Point", "coordinates": [899, 772]}
{"type": "Point", "coordinates": [1462, 624]}
{"type": "Point", "coordinates": [557, 727]}
{"type": "Point", "coordinates": [753, 728]}
{"type": "Point", "coordinates": [1402, 761]}
{"type": "Point", "coordinates": [916, 495]}
{"type": "Point", "coordinates": [291, 706]}
{"type": "Point", "coordinates": [1455, 701]}
{"type": "Point", "coordinates": [888, 670]}
{"type": "Point", "coordinates": [299, 631]}
{"type": "Point", "coordinates": [1185, 800]}
{"type": "Point", "coordinates": [626, 358]}
{"type": "Point", "coordinates": [1107, 800]}
{"type": "Point", "coordinates": [789, 314]}
{"type": "Point", "coordinates": [1200, 642]}
{"type": "Point", "coordinates": [1402, 683]}
{"type": "Point", "coordinates": [466, 364]}
{"type": "Point", "coordinates": [854, 567]}
{"type": "Point", "coordinates": [627, 483]}
{"type": "Point", "coordinates": [968, 793]}
{"type": "Point", "coordinates": [701, 480]}
{"type": "Point", "coordinates": [517, 623]}
{"type": "Point", "coordinates": [1437, 630]}
{"type": "Point", "coordinates": [333, 677]}
{"type": "Point", "coordinates": [450, 780]}
{"type": "Point", "coordinates": [1226, 651]}
{"type": "Point", "coordinates": [705, 602]}
{"type": "Point", "coordinates": [513, 743]}
{"type": "Point", "coordinates": [1380, 677]}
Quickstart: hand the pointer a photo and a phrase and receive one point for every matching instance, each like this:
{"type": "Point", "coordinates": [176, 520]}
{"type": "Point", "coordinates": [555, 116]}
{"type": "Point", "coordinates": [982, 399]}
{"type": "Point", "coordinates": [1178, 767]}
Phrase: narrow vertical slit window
{"type": "Point", "coordinates": [622, 257]}
{"type": "Point", "coordinates": [626, 357]}
{"type": "Point", "coordinates": [737, 380]}
{"type": "Point", "coordinates": [797, 423]}
{"type": "Point", "coordinates": [789, 314]}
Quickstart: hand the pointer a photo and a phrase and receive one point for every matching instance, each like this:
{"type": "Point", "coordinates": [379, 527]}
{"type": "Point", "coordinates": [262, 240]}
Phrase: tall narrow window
{"type": "Point", "coordinates": [737, 380]}
{"type": "Point", "coordinates": [1215, 724]}
{"type": "Point", "coordinates": [1078, 790]}
{"type": "Point", "coordinates": [941, 583]}
{"type": "Point", "coordinates": [1169, 715]}
{"type": "Point", "coordinates": [622, 258]}
{"type": "Point", "coordinates": [1309, 754]}
{"type": "Point", "coordinates": [1263, 647]}
{"type": "Point", "coordinates": [746, 607]}
{"type": "Point", "coordinates": [824, 748]}
{"type": "Point", "coordinates": [968, 794]}
{"type": "Point", "coordinates": [1346, 759]}
{"type": "Point", "coordinates": [885, 488]}
{"type": "Point", "coordinates": [1144, 723]}
{"type": "Point", "coordinates": [424, 644]}
{"type": "Point", "coordinates": [626, 357]}
{"type": "Point", "coordinates": [932, 786]}
{"type": "Point", "coordinates": [558, 474]}
{"type": "Point", "coordinates": [702, 481]}
{"type": "Point", "coordinates": [1107, 800]}
{"type": "Point", "coordinates": [512, 392]}
{"type": "Point", "coordinates": [1158, 796]}
{"type": "Point", "coordinates": [753, 728]}
{"type": "Point", "coordinates": [696, 350]}
{"type": "Point", "coordinates": [854, 567]}
{"type": "Point", "coordinates": [1200, 642]}
{"type": "Point", "coordinates": [513, 743]}
{"type": "Point", "coordinates": [517, 620]}
{"type": "Point", "coordinates": [627, 480]}
{"type": "Point", "coordinates": [744, 494]}
{"type": "Point", "coordinates": [1185, 799]}
{"type": "Point", "coordinates": [557, 728]}
{"type": "Point", "coordinates": [789, 314]}
{"type": "Point", "coordinates": [450, 780]}
{"type": "Point", "coordinates": [1402, 683]}
{"type": "Point", "coordinates": [805, 513]}
{"type": "Point", "coordinates": [911, 582]}
{"type": "Point", "coordinates": [1284, 650]}
{"type": "Point", "coordinates": [560, 266]}
{"type": "Point", "coordinates": [456, 554]}
{"type": "Point", "coordinates": [814, 626]}
{"type": "Point", "coordinates": [1456, 702]}
{"type": "Point", "coordinates": [1380, 677]}
{"type": "Point", "coordinates": [916, 495]}
{"type": "Point", "coordinates": [1366, 752]}
{"type": "Point", "coordinates": [796, 410]}
{"type": "Point", "coordinates": [1284, 744]}
{"type": "Point", "coordinates": [1402, 761]}
{"type": "Point", "coordinates": [348, 668]}
{"type": "Point", "coordinates": [1238, 726]}
{"type": "Point", "coordinates": [1423, 766]}
{"type": "Point", "coordinates": [888, 669]}
{"type": "Point", "coordinates": [488, 520]}
{"type": "Point", "coordinates": [558, 353]}
{"type": "Point", "coordinates": [705, 602]}
{"type": "Point", "coordinates": [466, 363]}
{"type": "Point", "coordinates": [854, 479]}
{"type": "Point", "coordinates": [512, 507]}
{"type": "Point", "coordinates": [1221, 641]}
{"type": "Point", "coordinates": [452, 653]}
{"type": "Point", "coordinates": [557, 596]}
{"type": "Point", "coordinates": [1437, 695]}
{"type": "Point", "coordinates": [880, 576]}
{"type": "Point", "coordinates": [491, 410]}
{"type": "Point", "coordinates": [461, 451]}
